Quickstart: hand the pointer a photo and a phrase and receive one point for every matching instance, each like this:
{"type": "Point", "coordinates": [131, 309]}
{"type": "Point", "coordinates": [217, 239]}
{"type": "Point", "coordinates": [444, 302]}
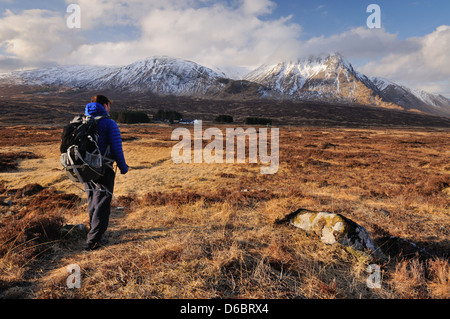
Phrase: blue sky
{"type": "Point", "coordinates": [405, 17]}
{"type": "Point", "coordinates": [411, 47]}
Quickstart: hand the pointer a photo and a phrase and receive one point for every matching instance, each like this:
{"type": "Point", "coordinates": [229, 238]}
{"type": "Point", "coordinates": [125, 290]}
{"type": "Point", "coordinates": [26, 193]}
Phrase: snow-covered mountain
{"type": "Point", "coordinates": [155, 75]}
{"type": "Point", "coordinates": [412, 99]}
{"type": "Point", "coordinates": [332, 79]}
{"type": "Point", "coordinates": [328, 79]}
{"type": "Point", "coordinates": [159, 75]}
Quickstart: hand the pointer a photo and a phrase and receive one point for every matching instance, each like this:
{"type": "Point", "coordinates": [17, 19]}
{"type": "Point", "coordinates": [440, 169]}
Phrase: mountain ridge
{"type": "Point", "coordinates": [329, 79]}
{"type": "Point", "coordinates": [334, 79]}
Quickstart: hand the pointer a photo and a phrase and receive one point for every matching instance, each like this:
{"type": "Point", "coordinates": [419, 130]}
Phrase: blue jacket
{"type": "Point", "coordinates": [108, 134]}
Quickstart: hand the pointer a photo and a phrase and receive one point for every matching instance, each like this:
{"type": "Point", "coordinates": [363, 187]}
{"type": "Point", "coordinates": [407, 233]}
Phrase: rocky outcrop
{"type": "Point", "coordinates": [331, 228]}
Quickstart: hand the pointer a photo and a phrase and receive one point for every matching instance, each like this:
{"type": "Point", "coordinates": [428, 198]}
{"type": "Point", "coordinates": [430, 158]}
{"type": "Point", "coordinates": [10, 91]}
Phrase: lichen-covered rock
{"type": "Point", "coordinates": [331, 228]}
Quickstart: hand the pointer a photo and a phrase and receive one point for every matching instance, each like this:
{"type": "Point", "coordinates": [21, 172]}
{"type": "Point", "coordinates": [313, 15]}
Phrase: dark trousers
{"type": "Point", "coordinates": [99, 206]}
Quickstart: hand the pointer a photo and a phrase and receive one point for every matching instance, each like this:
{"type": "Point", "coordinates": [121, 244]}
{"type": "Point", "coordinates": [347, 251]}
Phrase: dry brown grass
{"type": "Point", "coordinates": [9, 161]}
{"type": "Point", "coordinates": [207, 230]}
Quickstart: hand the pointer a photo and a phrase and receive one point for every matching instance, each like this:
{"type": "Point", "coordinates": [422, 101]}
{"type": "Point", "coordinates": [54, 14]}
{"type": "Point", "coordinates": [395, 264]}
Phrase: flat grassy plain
{"type": "Point", "coordinates": [208, 230]}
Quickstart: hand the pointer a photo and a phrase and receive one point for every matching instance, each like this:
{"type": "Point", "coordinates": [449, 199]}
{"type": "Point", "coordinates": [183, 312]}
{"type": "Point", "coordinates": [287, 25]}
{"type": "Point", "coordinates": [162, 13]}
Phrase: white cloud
{"type": "Point", "coordinates": [419, 62]}
{"type": "Point", "coordinates": [213, 33]}
{"type": "Point", "coordinates": [34, 37]}
{"type": "Point", "coordinates": [426, 66]}
{"type": "Point", "coordinates": [97, 13]}
{"type": "Point", "coordinates": [257, 7]}
{"type": "Point", "coordinates": [356, 43]}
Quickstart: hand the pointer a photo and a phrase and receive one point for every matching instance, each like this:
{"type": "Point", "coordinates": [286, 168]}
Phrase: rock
{"type": "Point", "coordinates": [331, 228]}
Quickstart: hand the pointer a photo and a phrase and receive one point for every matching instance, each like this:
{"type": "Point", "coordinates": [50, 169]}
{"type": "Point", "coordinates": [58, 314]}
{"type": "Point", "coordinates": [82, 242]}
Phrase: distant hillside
{"type": "Point", "coordinates": [329, 80]}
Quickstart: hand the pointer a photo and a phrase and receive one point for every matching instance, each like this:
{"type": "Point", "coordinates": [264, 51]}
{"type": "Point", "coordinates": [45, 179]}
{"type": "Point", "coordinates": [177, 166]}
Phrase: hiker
{"type": "Point", "coordinates": [99, 197]}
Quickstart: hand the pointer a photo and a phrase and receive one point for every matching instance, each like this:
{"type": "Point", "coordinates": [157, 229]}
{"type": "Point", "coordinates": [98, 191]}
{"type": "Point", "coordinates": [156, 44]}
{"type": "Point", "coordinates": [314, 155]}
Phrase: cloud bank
{"type": "Point", "coordinates": [425, 66]}
{"type": "Point", "coordinates": [239, 33]}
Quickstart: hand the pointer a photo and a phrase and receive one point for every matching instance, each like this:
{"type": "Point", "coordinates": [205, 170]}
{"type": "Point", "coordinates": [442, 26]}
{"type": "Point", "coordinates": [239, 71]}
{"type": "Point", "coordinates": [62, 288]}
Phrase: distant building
{"type": "Point", "coordinates": [186, 121]}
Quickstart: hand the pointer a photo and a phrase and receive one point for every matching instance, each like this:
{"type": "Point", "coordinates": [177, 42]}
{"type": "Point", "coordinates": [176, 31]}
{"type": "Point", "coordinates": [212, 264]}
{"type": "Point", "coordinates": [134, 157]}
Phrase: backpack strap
{"type": "Point", "coordinates": [72, 163]}
{"type": "Point", "coordinates": [109, 162]}
{"type": "Point", "coordinates": [98, 118]}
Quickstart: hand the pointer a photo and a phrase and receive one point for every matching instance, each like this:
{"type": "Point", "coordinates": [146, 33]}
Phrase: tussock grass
{"type": "Point", "coordinates": [207, 230]}
{"type": "Point", "coordinates": [30, 231]}
{"type": "Point", "coordinates": [8, 161]}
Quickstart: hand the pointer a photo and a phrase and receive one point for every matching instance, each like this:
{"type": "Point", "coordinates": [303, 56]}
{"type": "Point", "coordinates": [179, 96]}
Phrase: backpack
{"type": "Point", "coordinates": [80, 154]}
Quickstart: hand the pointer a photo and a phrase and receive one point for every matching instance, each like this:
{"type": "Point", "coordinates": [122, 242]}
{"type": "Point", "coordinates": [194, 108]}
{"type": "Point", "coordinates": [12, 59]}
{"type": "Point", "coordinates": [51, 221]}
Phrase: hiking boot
{"type": "Point", "coordinates": [96, 245]}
